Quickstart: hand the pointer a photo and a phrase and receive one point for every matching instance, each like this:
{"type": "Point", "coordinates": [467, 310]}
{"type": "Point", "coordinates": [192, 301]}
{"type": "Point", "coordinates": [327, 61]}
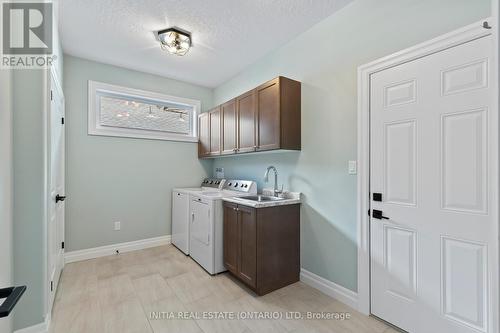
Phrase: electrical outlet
{"type": "Point", "coordinates": [117, 225]}
{"type": "Point", "coordinates": [219, 172]}
{"type": "Point", "coordinates": [353, 167]}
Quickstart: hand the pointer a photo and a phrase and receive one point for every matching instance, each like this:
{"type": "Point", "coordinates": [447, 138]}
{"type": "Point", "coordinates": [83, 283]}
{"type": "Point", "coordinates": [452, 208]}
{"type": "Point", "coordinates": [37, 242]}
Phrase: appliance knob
{"type": "Point", "coordinates": [211, 182]}
{"type": "Point", "coordinates": [230, 184]}
{"type": "Point", "coordinates": [235, 184]}
{"type": "Point", "coordinates": [242, 185]}
{"type": "Point", "coordinates": [246, 185]}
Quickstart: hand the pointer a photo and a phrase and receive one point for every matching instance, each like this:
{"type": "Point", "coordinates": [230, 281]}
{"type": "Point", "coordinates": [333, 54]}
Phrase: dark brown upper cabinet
{"type": "Point", "coordinates": [203, 135]}
{"type": "Point", "coordinates": [246, 126]}
{"type": "Point", "coordinates": [215, 131]}
{"type": "Point", "coordinates": [229, 130]}
{"type": "Point", "coordinates": [278, 115]}
{"type": "Point", "coordinates": [268, 115]}
{"type": "Point", "coordinates": [265, 118]}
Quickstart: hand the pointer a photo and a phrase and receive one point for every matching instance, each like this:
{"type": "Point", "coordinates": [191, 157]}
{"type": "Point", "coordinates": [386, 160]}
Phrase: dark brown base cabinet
{"type": "Point", "coordinates": [262, 245]}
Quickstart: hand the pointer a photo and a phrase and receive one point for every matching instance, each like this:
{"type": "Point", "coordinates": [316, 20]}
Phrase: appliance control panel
{"type": "Point", "coordinates": [239, 185]}
{"type": "Point", "coordinates": [213, 182]}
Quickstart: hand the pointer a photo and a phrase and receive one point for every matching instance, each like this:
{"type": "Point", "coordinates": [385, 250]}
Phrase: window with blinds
{"type": "Point", "coordinates": [126, 112]}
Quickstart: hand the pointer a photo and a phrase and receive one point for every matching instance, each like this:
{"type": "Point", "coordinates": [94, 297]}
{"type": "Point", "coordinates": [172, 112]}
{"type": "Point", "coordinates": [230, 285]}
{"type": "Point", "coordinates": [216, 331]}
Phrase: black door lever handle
{"type": "Point", "coordinates": [12, 296]}
{"type": "Point", "coordinates": [378, 214]}
{"type": "Point", "coordinates": [60, 198]}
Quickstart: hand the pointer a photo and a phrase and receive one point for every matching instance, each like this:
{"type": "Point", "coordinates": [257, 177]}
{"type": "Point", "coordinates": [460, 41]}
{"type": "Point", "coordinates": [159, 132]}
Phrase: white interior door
{"type": "Point", "coordinates": [55, 229]}
{"type": "Point", "coordinates": [5, 190]}
{"type": "Point", "coordinates": [434, 161]}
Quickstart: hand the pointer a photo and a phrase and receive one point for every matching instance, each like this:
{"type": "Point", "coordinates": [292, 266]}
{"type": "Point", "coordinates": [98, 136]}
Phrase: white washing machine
{"type": "Point", "coordinates": [181, 212]}
{"type": "Point", "coordinates": [206, 223]}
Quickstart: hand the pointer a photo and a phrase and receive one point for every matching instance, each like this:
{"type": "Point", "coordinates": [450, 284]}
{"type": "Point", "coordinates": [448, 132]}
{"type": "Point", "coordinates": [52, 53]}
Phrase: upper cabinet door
{"type": "Point", "coordinates": [215, 131]}
{"type": "Point", "coordinates": [246, 108]}
{"type": "Point", "coordinates": [203, 135]}
{"type": "Point", "coordinates": [268, 115]}
{"type": "Point", "coordinates": [229, 134]}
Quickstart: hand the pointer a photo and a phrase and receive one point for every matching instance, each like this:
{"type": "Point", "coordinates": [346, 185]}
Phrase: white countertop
{"type": "Point", "coordinates": [290, 198]}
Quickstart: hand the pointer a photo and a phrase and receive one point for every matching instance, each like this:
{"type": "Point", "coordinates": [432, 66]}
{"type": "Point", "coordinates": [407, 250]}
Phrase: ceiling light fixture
{"type": "Point", "coordinates": [175, 41]}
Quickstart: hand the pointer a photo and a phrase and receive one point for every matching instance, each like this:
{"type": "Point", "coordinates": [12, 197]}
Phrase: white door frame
{"type": "Point", "coordinates": [6, 177]}
{"type": "Point", "coordinates": [451, 39]}
{"type": "Point", "coordinates": [51, 74]}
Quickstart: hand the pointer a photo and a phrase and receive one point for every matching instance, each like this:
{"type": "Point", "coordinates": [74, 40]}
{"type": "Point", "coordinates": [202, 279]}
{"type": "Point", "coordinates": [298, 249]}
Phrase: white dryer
{"type": "Point", "coordinates": [181, 212]}
{"type": "Point", "coordinates": [206, 223]}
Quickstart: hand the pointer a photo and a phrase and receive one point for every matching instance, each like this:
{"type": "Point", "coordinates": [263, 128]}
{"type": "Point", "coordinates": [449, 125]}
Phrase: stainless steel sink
{"type": "Point", "coordinates": [260, 198]}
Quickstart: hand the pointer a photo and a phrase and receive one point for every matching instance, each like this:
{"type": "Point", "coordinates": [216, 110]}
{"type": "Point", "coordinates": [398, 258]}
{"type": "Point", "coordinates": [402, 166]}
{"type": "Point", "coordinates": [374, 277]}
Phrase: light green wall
{"type": "Point", "coordinates": [325, 60]}
{"type": "Point", "coordinates": [28, 231]}
{"type": "Point", "coordinates": [122, 179]}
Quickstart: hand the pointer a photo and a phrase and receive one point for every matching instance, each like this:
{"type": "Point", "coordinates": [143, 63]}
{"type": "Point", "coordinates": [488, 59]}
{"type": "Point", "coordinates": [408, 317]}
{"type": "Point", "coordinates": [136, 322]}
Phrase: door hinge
{"type": "Point", "coordinates": [62, 121]}
{"type": "Point", "coordinates": [51, 285]}
{"type": "Point", "coordinates": [62, 245]}
{"type": "Point", "coordinates": [51, 95]}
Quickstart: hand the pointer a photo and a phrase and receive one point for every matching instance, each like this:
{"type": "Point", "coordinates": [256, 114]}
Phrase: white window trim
{"type": "Point", "coordinates": [95, 128]}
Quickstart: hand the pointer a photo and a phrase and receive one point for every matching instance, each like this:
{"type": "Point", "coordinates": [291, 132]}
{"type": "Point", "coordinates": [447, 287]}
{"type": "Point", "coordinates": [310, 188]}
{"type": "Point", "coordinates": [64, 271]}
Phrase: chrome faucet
{"type": "Point", "coordinates": [266, 179]}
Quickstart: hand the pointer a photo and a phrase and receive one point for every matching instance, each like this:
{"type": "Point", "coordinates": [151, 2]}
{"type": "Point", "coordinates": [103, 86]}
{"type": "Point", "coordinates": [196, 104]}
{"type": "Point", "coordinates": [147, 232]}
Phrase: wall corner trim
{"type": "Point", "coordinates": [108, 250]}
{"type": "Point", "coordinates": [330, 288]}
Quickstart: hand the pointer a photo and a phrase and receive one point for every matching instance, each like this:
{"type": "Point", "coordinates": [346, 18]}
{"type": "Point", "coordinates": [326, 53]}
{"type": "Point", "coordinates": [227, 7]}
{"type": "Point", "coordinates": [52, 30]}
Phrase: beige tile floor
{"type": "Point", "coordinates": [120, 293]}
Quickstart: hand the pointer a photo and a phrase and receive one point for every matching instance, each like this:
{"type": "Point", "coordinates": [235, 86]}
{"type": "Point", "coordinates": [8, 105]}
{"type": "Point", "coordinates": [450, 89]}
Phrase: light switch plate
{"type": "Point", "coordinates": [353, 167]}
{"type": "Point", "coordinates": [118, 225]}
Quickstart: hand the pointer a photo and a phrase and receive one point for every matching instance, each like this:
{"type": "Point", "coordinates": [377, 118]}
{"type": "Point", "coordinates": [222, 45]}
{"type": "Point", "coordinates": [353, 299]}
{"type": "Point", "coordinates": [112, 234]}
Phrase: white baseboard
{"type": "Point", "coordinates": [330, 288]}
{"type": "Point", "coordinates": [38, 328]}
{"type": "Point", "coordinates": [107, 250]}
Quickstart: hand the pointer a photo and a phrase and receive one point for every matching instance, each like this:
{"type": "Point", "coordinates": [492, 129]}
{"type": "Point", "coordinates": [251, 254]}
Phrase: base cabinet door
{"type": "Point", "coordinates": [231, 237]}
{"type": "Point", "coordinates": [248, 245]}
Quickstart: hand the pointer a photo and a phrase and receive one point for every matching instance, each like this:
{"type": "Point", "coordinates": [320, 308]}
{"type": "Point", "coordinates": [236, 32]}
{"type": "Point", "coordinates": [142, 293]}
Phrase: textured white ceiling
{"type": "Point", "coordinates": [228, 35]}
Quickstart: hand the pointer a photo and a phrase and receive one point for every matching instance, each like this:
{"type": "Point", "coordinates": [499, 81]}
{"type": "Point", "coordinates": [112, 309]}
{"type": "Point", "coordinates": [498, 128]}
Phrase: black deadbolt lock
{"type": "Point", "coordinates": [377, 196]}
